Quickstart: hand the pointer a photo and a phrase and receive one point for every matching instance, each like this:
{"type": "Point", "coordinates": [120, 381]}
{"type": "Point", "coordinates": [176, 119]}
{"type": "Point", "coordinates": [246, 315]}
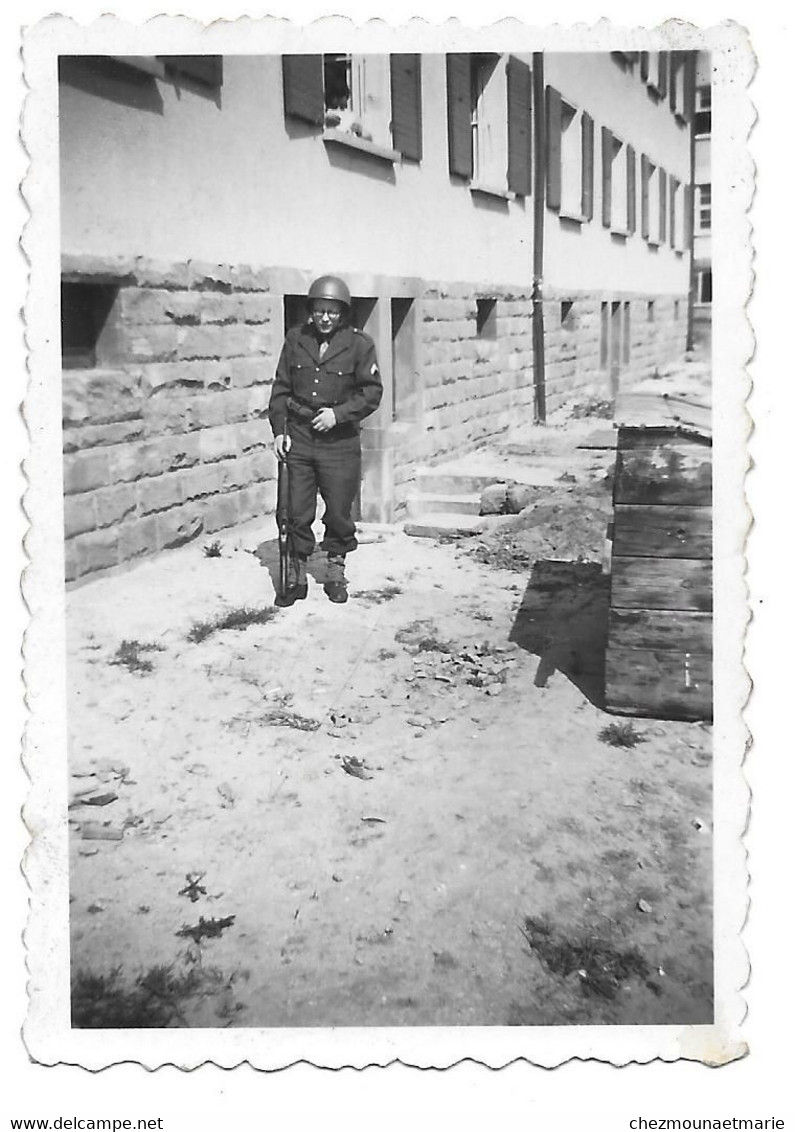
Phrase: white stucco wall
{"type": "Point", "coordinates": [232, 185]}
{"type": "Point", "coordinates": [587, 257]}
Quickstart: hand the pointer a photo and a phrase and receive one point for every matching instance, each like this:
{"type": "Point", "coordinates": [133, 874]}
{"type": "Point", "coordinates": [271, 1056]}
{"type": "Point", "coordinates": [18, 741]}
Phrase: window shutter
{"type": "Point", "coordinates": [208, 70]}
{"type": "Point", "coordinates": [406, 82]}
{"type": "Point", "coordinates": [607, 176]}
{"type": "Point", "coordinates": [688, 217]}
{"type": "Point", "coordinates": [644, 66]}
{"type": "Point", "coordinates": [645, 178]}
{"type": "Point", "coordinates": [662, 80]}
{"type": "Point", "coordinates": [459, 115]}
{"type": "Point", "coordinates": [675, 64]}
{"type": "Point", "coordinates": [302, 77]}
{"type": "Point", "coordinates": [553, 149]}
{"type": "Point", "coordinates": [690, 86]}
{"type": "Point", "coordinates": [587, 165]}
{"type": "Point", "coordinates": [519, 128]}
{"type": "Point", "coordinates": [673, 186]}
{"type": "Point", "coordinates": [632, 220]}
{"type": "Point", "coordinates": [663, 202]}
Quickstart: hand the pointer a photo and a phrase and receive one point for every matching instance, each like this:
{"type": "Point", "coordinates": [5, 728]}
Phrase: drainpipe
{"type": "Point", "coordinates": [691, 291]}
{"type": "Point", "coordinates": [539, 203]}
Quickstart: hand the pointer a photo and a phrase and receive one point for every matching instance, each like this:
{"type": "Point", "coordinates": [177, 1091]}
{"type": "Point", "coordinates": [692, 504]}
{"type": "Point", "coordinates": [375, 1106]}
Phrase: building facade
{"type": "Point", "coordinates": [702, 187]}
{"type": "Point", "coordinates": [515, 230]}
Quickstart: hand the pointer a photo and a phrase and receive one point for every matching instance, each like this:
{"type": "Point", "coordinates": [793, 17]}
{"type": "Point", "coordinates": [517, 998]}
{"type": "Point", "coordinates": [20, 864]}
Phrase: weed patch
{"type": "Point", "coordinates": [237, 619]}
{"type": "Point", "coordinates": [621, 735]}
{"type": "Point", "coordinates": [213, 549]}
{"type": "Point", "coordinates": [421, 636]}
{"type": "Point", "coordinates": [153, 1001]}
{"type": "Point", "coordinates": [601, 968]}
{"type": "Point", "coordinates": [128, 655]}
{"type": "Point", "coordinates": [378, 597]}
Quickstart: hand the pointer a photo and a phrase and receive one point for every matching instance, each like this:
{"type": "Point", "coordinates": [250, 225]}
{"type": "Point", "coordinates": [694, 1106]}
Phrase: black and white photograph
{"type": "Point", "coordinates": [387, 530]}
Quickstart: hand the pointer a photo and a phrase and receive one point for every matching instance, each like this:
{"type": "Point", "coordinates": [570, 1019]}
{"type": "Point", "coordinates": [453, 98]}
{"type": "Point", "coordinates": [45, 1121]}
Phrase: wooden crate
{"type": "Point", "coordinates": [659, 648]}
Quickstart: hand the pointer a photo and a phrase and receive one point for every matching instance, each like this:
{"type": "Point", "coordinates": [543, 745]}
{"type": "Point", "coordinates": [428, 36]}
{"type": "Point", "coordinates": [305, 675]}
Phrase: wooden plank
{"type": "Point", "coordinates": [670, 630]}
{"type": "Point", "coordinates": [659, 684]}
{"type": "Point", "coordinates": [661, 583]}
{"type": "Point", "coordinates": [668, 472]}
{"type": "Point", "coordinates": [666, 531]}
{"type": "Point", "coordinates": [641, 410]}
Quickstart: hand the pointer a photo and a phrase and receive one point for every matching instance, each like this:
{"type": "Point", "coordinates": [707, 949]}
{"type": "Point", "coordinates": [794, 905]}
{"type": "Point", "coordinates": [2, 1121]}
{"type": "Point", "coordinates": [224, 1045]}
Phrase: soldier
{"type": "Point", "coordinates": [327, 381]}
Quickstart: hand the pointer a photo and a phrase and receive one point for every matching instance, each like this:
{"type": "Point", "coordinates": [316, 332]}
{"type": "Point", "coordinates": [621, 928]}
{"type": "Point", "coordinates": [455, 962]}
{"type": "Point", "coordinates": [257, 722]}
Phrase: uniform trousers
{"type": "Point", "coordinates": [329, 463]}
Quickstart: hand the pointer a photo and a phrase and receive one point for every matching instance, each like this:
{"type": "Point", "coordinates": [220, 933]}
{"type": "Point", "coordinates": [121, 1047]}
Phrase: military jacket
{"type": "Point", "coordinates": [346, 378]}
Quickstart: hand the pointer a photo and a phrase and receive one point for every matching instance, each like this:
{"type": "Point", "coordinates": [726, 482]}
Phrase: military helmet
{"type": "Point", "coordinates": [330, 287]}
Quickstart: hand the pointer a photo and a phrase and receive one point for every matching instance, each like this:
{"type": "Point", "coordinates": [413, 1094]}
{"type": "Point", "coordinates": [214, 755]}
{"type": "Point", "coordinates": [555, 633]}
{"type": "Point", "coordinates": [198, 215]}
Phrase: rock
{"type": "Point", "coordinates": [518, 496]}
{"type": "Point", "coordinates": [492, 499]}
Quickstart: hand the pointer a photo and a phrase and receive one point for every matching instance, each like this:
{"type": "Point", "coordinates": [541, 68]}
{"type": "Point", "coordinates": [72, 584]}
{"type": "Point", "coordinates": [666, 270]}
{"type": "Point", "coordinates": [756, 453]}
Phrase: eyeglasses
{"type": "Point", "coordinates": [320, 312]}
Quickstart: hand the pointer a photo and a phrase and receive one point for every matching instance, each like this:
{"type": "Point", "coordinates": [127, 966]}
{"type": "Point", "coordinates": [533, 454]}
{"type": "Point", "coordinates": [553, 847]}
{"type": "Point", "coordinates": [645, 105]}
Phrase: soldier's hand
{"type": "Point", "coordinates": [281, 445]}
{"type": "Point", "coordinates": [324, 420]}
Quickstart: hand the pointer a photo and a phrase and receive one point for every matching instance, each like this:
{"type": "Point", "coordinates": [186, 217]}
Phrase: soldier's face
{"type": "Point", "coordinates": [326, 315]}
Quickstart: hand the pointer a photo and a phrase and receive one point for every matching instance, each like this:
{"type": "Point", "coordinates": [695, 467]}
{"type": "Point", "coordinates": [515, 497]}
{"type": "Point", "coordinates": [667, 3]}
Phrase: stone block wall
{"type": "Point", "coordinates": [166, 436]}
{"type": "Point", "coordinates": [167, 439]}
{"type": "Point", "coordinates": [474, 385]}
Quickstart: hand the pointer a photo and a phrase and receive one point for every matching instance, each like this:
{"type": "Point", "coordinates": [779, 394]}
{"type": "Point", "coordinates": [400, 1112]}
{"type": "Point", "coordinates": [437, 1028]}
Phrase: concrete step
{"type": "Point", "coordinates": [429, 504]}
{"type": "Point", "coordinates": [444, 526]}
{"type": "Point", "coordinates": [441, 482]}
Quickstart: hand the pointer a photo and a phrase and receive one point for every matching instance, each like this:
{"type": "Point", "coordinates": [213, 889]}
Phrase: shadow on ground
{"type": "Point", "coordinates": [268, 555]}
{"type": "Point", "coordinates": [563, 621]}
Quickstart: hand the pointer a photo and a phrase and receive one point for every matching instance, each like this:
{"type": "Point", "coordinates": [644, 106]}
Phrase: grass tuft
{"type": "Point", "coordinates": [213, 549]}
{"type": "Point", "coordinates": [621, 735]}
{"type": "Point", "coordinates": [602, 968]}
{"type": "Point", "coordinates": [237, 619]}
{"type": "Point", "coordinates": [128, 655]}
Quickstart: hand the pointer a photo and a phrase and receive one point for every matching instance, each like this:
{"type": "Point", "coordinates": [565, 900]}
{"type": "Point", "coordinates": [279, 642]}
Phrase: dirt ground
{"type": "Point", "coordinates": [407, 810]}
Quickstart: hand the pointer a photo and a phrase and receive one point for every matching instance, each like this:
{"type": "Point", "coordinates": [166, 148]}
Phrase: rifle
{"type": "Point", "coordinates": [283, 517]}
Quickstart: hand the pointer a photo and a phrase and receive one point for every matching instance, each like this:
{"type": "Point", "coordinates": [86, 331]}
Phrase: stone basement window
{"type": "Point", "coordinates": [90, 328]}
{"type": "Point", "coordinates": [650, 311]}
{"type": "Point", "coordinates": [486, 319]}
{"type": "Point", "coordinates": [566, 315]}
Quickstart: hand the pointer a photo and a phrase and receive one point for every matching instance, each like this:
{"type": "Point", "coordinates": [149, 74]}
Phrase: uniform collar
{"type": "Point", "coordinates": [340, 340]}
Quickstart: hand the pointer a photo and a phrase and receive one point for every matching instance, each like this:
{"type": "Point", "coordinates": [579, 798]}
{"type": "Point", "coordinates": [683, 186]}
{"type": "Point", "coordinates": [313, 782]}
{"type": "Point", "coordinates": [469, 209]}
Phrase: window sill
{"type": "Point", "coordinates": [352, 141]}
{"type": "Point", "coordinates": [572, 217]}
{"type": "Point", "coordinates": [491, 191]}
{"type": "Point", "coordinates": [623, 233]}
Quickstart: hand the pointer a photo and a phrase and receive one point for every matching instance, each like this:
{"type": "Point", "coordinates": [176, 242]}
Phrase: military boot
{"type": "Point", "coordinates": [297, 586]}
{"type": "Point", "coordinates": [335, 586]}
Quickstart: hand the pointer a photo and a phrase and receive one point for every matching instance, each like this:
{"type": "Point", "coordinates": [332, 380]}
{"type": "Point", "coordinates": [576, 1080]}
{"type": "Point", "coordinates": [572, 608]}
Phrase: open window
{"type": "Point", "coordinates": [618, 184]}
{"type": "Point", "coordinates": [489, 122]}
{"type": "Point", "coordinates": [374, 98]}
{"type": "Point", "coordinates": [569, 158]}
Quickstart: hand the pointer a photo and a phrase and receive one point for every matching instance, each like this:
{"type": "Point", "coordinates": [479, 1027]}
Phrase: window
{"type": "Point", "coordinates": [375, 98]}
{"type": "Point", "coordinates": [626, 60]}
{"type": "Point", "coordinates": [489, 122]}
{"type": "Point", "coordinates": [356, 96]}
{"type": "Point", "coordinates": [703, 121]}
{"type": "Point", "coordinates": [567, 315]}
{"type": "Point", "coordinates": [90, 330]}
{"type": "Point", "coordinates": [650, 310]}
{"type": "Point", "coordinates": [486, 319]}
{"type": "Point", "coordinates": [295, 310]}
{"type": "Point", "coordinates": [654, 204]}
{"type": "Point", "coordinates": [618, 184]}
{"type": "Point", "coordinates": [405, 375]}
{"type": "Point", "coordinates": [703, 208]}
{"type": "Point", "coordinates": [569, 158]}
